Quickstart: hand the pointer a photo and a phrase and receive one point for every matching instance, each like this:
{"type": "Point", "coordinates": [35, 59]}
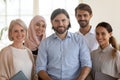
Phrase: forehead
{"type": "Point", "coordinates": [101, 29]}
{"type": "Point", "coordinates": [60, 16]}
{"type": "Point", "coordinates": [39, 23]}
{"type": "Point", "coordinates": [17, 26]}
{"type": "Point", "coordinates": [82, 12]}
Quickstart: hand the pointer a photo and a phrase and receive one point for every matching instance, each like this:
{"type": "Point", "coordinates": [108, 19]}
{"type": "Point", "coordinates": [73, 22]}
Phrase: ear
{"type": "Point", "coordinates": [91, 15]}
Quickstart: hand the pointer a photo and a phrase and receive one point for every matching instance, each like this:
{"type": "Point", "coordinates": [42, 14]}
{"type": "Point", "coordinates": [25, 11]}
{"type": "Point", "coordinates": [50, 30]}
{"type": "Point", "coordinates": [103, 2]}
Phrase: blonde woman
{"type": "Point", "coordinates": [16, 57]}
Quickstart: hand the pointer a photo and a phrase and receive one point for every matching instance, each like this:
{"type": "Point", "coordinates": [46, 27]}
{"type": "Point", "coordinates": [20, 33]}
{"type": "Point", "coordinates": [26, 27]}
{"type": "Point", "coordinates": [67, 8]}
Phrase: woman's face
{"type": "Point", "coordinates": [102, 36]}
{"type": "Point", "coordinates": [18, 33]}
{"type": "Point", "coordinates": [40, 28]}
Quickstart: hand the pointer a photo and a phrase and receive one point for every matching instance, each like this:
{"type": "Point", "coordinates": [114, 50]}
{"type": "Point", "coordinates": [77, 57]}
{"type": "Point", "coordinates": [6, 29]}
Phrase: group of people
{"type": "Point", "coordinates": [63, 55]}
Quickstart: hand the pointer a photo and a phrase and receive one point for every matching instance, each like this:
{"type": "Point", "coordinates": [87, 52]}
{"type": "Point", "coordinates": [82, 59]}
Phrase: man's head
{"type": "Point", "coordinates": [60, 20]}
{"type": "Point", "coordinates": [83, 14]}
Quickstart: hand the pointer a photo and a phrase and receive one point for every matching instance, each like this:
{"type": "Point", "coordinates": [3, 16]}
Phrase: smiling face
{"type": "Point", "coordinates": [40, 28]}
{"type": "Point", "coordinates": [103, 36]}
{"type": "Point", "coordinates": [83, 17]}
{"type": "Point", "coordinates": [18, 33]}
{"type": "Point", "coordinates": [60, 23]}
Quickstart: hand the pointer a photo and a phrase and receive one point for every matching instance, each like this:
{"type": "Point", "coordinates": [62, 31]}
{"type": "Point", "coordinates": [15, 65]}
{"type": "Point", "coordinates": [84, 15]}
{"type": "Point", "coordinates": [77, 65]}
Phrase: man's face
{"type": "Point", "coordinates": [83, 17]}
{"type": "Point", "coordinates": [60, 23]}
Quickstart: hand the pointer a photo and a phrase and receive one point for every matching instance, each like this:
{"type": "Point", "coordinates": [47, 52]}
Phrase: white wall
{"type": "Point", "coordinates": [106, 10]}
{"type": "Point", "coordinates": [103, 10]}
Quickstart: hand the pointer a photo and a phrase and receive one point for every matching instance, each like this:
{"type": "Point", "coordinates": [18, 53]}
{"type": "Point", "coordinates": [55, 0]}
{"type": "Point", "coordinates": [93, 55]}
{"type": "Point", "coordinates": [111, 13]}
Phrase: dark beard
{"type": "Point", "coordinates": [83, 24]}
{"type": "Point", "coordinates": [60, 31]}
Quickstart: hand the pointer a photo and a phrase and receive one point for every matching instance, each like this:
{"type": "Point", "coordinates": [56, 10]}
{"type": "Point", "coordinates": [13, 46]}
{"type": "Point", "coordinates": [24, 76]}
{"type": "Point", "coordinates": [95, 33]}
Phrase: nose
{"type": "Point", "coordinates": [41, 28]}
{"type": "Point", "coordinates": [82, 18]}
{"type": "Point", "coordinates": [99, 36]}
{"type": "Point", "coordinates": [60, 23]}
{"type": "Point", "coordinates": [19, 33]}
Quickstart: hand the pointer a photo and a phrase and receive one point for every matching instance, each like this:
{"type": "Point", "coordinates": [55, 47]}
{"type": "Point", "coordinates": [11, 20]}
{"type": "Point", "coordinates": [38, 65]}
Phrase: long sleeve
{"type": "Point", "coordinates": [6, 64]}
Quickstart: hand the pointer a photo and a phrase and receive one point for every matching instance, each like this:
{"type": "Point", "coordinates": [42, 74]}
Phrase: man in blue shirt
{"type": "Point", "coordinates": [63, 55]}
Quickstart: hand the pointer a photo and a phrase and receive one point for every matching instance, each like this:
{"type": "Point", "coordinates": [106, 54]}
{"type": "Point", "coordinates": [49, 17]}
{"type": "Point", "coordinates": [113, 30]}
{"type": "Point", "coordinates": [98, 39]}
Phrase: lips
{"type": "Point", "coordinates": [61, 28]}
{"type": "Point", "coordinates": [19, 37]}
{"type": "Point", "coordinates": [100, 41]}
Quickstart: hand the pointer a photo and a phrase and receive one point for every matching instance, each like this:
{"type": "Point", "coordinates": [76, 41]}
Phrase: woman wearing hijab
{"type": "Point", "coordinates": [36, 33]}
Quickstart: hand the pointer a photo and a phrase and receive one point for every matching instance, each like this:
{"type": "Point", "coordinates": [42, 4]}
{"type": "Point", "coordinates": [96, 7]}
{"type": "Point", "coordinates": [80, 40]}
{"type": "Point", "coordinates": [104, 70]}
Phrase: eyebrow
{"type": "Point", "coordinates": [37, 24]}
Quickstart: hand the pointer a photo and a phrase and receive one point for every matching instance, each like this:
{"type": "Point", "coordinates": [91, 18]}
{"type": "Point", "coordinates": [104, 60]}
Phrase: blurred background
{"type": "Point", "coordinates": [103, 10]}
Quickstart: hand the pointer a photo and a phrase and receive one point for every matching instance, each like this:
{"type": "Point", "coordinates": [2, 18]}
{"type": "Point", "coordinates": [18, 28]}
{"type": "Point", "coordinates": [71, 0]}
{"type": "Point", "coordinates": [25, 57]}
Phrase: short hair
{"type": "Point", "coordinates": [85, 7]}
{"type": "Point", "coordinates": [12, 24]}
{"type": "Point", "coordinates": [59, 11]}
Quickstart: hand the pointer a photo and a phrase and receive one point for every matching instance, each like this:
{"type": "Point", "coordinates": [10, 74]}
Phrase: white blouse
{"type": "Point", "coordinates": [22, 61]}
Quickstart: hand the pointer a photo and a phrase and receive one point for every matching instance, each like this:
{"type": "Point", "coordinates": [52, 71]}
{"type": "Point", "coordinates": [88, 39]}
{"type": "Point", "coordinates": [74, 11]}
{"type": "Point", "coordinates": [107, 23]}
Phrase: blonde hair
{"type": "Point", "coordinates": [12, 24]}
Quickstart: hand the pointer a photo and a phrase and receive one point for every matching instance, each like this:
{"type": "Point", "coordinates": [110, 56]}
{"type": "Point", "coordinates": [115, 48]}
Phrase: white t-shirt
{"type": "Point", "coordinates": [90, 39]}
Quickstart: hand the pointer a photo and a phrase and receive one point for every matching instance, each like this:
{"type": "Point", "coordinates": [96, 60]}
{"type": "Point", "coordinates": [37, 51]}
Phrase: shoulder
{"type": "Point", "coordinates": [94, 52]}
{"type": "Point", "coordinates": [78, 39]}
{"type": "Point", "coordinates": [5, 50]}
{"type": "Point", "coordinates": [48, 39]}
{"type": "Point", "coordinates": [77, 36]}
{"type": "Point", "coordinates": [6, 53]}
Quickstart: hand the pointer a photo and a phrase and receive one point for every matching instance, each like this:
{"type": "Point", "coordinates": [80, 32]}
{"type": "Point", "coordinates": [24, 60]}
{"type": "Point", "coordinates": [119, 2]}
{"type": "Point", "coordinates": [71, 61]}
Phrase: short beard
{"type": "Point", "coordinates": [83, 25]}
{"type": "Point", "coordinates": [60, 32]}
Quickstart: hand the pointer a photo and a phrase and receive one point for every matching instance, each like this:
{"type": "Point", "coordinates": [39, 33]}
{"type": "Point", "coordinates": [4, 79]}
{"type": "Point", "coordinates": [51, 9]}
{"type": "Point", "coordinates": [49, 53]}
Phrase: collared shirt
{"type": "Point", "coordinates": [90, 39]}
{"type": "Point", "coordinates": [63, 59]}
{"type": "Point", "coordinates": [104, 62]}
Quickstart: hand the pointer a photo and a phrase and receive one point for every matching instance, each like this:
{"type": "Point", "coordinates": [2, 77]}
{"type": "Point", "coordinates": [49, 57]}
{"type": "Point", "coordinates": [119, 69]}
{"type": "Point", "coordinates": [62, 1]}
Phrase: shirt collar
{"type": "Point", "coordinates": [105, 49]}
{"type": "Point", "coordinates": [92, 31]}
{"type": "Point", "coordinates": [67, 36]}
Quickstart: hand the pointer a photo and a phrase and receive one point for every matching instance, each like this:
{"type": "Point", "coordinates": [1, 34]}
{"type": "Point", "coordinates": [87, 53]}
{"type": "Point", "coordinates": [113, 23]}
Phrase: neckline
{"type": "Point", "coordinates": [22, 47]}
